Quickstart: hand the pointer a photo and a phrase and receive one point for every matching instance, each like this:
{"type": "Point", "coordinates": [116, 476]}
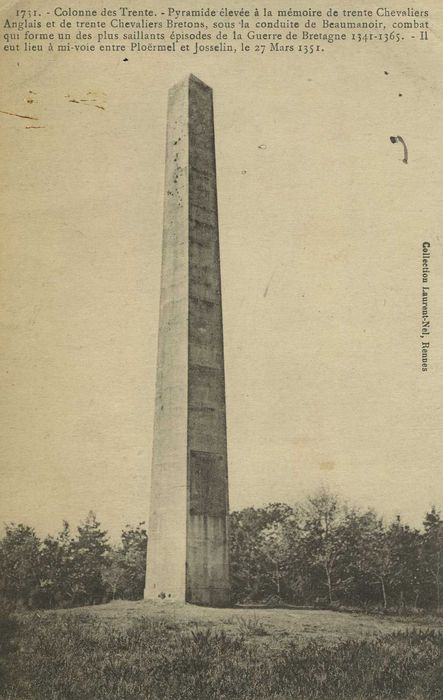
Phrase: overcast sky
{"type": "Point", "coordinates": [321, 227]}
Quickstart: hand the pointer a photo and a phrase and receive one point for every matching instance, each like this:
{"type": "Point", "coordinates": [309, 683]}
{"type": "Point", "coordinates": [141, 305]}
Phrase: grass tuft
{"type": "Point", "coordinates": [251, 626]}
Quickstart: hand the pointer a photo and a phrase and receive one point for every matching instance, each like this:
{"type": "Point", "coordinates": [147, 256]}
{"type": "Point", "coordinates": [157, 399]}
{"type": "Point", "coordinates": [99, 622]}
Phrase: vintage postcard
{"type": "Point", "coordinates": [222, 350]}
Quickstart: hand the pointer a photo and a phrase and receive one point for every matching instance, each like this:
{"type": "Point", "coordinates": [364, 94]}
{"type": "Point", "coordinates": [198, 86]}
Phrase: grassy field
{"type": "Point", "coordinates": [161, 651]}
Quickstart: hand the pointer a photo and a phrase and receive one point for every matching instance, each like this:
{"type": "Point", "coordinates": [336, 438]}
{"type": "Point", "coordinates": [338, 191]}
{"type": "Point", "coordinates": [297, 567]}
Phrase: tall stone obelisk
{"type": "Point", "coordinates": [188, 521]}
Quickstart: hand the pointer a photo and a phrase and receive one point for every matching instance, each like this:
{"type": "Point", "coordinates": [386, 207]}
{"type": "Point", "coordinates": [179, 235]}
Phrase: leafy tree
{"type": "Point", "coordinates": [126, 565]}
{"type": "Point", "coordinates": [376, 557]}
{"type": "Point", "coordinates": [114, 573]}
{"type": "Point", "coordinates": [246, 558]}
{"type": "Point", "coordinates": [89, 555]}
{"type": "Point", "coordinates": [277, 544]}
{"type": "Point", "coordinates": [323, 542]}
{"type": "Point", "coordinates": [134, 546]}
{"type": "Point", "coordinates": [347, 584]}
{"type": "Point", "coordinates": [19, 564]}
{"type": "Point", "coordinates": [56, 569]}
{"type": "Point", "coordinates": [405, 547]}
{"type": "Point", "coordinates": [432, 555]}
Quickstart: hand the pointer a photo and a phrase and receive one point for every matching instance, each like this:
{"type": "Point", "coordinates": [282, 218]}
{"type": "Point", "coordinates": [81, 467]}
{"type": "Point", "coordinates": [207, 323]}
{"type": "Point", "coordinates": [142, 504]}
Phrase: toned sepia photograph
{"type": "Point", "coordinates": [222, 352]}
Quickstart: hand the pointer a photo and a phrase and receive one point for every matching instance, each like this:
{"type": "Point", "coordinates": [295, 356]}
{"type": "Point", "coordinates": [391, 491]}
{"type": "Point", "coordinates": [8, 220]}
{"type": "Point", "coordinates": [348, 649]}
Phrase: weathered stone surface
{"type": "Point", "coordinates": [188, 545]}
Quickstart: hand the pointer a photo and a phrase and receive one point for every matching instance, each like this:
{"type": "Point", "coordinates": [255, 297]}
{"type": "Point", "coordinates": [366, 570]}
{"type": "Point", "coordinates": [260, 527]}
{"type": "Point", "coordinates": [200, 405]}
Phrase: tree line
{"type": "Point", "coordinates": [320, 552]}
{"type": "Point", "coordinates": [69, 569]}
{"type": "Point", "coordinates": [325, 552]}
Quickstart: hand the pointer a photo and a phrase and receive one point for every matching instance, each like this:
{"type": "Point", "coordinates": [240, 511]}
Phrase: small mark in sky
{"type": "Point", "coordinates": [90, 99]}
{"type": "Point", "coordinates": [243, 172]}
{"type": "Point", "coordinates": [327, 466]}
{"type": "Point", "coordinates": [126, 59]}
{"type": "Point", "coordinates": [399, 139]}
{"type": "Point", "coordinates": [35, 127]}
{"type": "Point", "coordinates": [386, 72]}
{"type": "Point", "coordinates": [269, 283]}
{"type": "Point", "coordinates": [263, 146]}
{"type": "Point", "coordinates": [400, 94]}
{"type": "Point", "coordinates": [22, 116]}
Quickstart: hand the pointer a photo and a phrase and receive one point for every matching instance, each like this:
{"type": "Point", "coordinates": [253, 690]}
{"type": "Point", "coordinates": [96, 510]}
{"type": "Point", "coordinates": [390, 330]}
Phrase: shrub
{"type": "Point", "coordinates": [8, 631]}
